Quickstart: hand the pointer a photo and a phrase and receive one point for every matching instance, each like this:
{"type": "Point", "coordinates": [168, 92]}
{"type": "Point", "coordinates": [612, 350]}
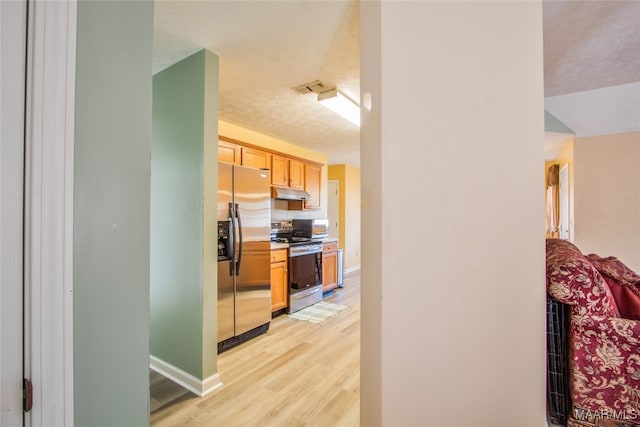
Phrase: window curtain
{"type": "Point", "coordinates": [553, 211]}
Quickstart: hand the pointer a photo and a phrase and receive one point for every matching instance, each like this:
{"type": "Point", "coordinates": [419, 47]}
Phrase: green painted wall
{"type": "Point", "coordinates": [111, 213]}
{"type": "Point", "coordinates": [552, 124]}
{"type": "Point", "coordinates": [210, 219]}
{"type": "Point", "coordinates": [183, 184]}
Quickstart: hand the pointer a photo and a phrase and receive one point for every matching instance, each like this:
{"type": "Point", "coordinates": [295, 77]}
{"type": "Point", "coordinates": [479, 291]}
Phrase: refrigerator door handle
{"type": "Point", "coordinates": [239, 240]}
{"type": "Point", "coordinates": [232, 240]}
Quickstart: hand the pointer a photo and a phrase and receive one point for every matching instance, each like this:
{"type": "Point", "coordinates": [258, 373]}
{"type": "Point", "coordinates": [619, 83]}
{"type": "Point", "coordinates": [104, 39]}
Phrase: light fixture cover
{"type": "Point", "coordinates": [335, 101]}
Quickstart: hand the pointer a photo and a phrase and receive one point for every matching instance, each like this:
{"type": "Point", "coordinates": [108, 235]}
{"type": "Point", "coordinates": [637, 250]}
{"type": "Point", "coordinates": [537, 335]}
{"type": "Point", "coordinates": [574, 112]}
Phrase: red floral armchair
{"type": "Point", "coordinates": [604, 346]}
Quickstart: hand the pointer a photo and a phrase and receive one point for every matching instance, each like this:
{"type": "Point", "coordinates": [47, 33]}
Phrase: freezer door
{"type": "Point", "coordinates": [226, 300]}
{"type": "Point", "coordinates": [226, 303]}
{"type": "Point", "coordinates": [253, 210]}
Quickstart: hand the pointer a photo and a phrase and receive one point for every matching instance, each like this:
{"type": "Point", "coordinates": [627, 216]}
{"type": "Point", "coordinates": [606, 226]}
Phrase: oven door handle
{"type": "Point", "coordinates": [305, 293]}
{"type": "Point", "coordinates": [319, 267]}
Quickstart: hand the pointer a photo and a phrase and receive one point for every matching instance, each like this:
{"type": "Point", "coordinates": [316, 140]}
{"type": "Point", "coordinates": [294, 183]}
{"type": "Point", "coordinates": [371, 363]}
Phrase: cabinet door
{"type": "Point", "coordinates": [228, 152]}
{"type": "Point", "coordinates": [296, 174]}
{"type": "Point", "coordinates": [279, 171]}
{"type": "Point", "coordinates": [312, 179]}
{"type": "Point", "coordinates": [255, 158]}
{"type": "Point", "coordinates": [278, 285]}
{"type": "Point", "coordinates": [329, 271]}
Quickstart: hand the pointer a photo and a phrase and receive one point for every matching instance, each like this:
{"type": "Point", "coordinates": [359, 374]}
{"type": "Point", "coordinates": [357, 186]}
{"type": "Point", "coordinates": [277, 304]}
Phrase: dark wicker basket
{"type": "Point", "coordinates": [558, 397]}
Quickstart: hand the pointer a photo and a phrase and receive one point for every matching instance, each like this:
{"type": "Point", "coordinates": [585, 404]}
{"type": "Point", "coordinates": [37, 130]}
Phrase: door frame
{"type": "Point", "coordinates": [12, 69]}
{"type": "Point", "coordinates": [564, 219]}
{"type": "Point", "coordinates": [336, 198]}
{"type": "Point", "coordinates": [48, 216]}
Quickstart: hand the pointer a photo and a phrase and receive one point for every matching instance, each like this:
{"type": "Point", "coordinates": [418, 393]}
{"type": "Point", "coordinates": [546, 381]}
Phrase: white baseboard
{"type": "Point", "coordinates": [352, 269]}
{"type": "Point", "coordinates": [185, 379]}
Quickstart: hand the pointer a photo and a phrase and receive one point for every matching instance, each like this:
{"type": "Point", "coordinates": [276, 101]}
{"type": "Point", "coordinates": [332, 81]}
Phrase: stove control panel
{"type": "Point", "coordinates": [282, 227]}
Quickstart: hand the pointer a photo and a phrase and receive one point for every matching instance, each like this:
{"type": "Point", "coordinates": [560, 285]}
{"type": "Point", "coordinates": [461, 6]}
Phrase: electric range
{"type": "Point", "coordinates": [305, 266]}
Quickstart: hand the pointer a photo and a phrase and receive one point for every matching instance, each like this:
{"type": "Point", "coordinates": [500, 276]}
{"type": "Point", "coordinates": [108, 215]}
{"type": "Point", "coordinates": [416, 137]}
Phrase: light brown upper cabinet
{"type": "Point", "coordinates": [312, 180]}
{"type": "Point", "coordinates": [229, 152]}
{"type": "Point", "coordinates": [296, 174]}
{"type": "Point", "coordinates": [286, 172]}
{"type": "Point", "coordinates": [279, 171]}
{"type": "Point", "coordinates": [256, 158]}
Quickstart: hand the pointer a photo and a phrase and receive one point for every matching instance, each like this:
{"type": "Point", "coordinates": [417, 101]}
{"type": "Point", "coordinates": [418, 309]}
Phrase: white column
{"type": "Point", "coordinates": [453, 295]}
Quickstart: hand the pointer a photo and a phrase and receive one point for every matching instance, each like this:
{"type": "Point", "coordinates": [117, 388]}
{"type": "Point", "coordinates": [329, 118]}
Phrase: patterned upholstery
{"type": "Point", "coordinates": [573, 280]}
{"type": "Point", "coordinates": [604, 366]}
{"type": "Point", "coordinates": [623, 282]}
{"type": "Point", "coordinates": [605, 363]}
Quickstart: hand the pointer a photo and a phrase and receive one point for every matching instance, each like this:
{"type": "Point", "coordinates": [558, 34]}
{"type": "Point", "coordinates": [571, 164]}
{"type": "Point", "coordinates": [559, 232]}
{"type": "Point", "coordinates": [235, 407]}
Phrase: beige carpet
{"type": "Point", "coordinates": [318, 312]}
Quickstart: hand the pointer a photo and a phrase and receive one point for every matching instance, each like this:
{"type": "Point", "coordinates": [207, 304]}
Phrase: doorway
{"type": "Point", "coordinates": [563, 187]}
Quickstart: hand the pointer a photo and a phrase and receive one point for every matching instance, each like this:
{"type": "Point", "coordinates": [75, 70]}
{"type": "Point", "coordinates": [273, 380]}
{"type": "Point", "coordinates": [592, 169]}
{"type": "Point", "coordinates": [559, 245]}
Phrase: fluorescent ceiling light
{"type": "Point", "coordinates": [335, 101]}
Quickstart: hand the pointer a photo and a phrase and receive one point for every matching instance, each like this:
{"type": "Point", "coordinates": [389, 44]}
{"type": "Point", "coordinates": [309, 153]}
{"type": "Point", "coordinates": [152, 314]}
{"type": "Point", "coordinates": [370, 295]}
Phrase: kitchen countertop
{"type": "Point", "coordinates": [329, 240]}
{"type": "Point", "coordinates": [276, 245]}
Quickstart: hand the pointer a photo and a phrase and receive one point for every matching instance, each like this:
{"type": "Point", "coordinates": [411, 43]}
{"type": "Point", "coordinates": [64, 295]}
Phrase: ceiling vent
{"type": "Point", "coordinates": [315, 86]}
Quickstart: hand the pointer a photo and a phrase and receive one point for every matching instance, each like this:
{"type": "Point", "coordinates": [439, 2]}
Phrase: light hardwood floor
{"type": "Point", "coordinates": [298, 374]}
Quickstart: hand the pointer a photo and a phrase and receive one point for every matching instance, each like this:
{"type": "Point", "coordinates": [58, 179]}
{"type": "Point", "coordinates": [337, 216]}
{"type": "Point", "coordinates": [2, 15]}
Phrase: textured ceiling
{"type": "Point", "coordinates": [268, 47]}
{"type": "Point", "coordinates": [590, 45]}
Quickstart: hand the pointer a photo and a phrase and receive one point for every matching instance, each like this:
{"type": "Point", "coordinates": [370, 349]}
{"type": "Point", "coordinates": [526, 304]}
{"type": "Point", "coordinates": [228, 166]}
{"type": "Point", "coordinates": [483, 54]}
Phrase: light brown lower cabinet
{"type": "Point", "coordinates": [329, 266]}
{"type": "Point", "coordinates": [278, 279]}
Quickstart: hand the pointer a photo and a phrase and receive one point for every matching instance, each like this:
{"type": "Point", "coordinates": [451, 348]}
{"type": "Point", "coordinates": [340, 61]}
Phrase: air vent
{"type": "Point", "coordinates": [315, 86]}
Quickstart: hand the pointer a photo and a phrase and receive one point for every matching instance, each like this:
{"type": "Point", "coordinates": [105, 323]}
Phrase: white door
{"type": "Point", "coordinates": [333, 208]}
{"type": "Point", "coordinates": [564, 202]}
{"type": "Point", "coordinates": [12, 95]}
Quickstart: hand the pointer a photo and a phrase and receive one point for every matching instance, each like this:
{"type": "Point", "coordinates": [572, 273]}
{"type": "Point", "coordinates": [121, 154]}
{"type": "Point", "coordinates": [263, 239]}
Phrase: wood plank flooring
{"type": "Point", "coordinates": [298, 374]}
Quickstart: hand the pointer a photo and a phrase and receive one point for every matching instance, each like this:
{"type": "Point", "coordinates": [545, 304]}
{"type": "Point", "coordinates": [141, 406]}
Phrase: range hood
{"type": "Point", "coordinates": [290, 194]}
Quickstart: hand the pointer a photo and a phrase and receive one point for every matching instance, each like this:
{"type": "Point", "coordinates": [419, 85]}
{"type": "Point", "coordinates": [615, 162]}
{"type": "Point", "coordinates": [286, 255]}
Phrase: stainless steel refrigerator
{"type": "Point", "coordinates": [244, 229]}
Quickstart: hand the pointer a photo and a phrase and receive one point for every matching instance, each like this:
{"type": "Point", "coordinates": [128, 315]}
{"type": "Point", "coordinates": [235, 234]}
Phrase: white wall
{"type": "Point", "coordinates": [601, 111]}
{"type": "Point", "coordinates": [453, 299]}
{"type": "Point", "coordinates": [607, 196]}
{"type": "Point", "coordinates": [372, 230]}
